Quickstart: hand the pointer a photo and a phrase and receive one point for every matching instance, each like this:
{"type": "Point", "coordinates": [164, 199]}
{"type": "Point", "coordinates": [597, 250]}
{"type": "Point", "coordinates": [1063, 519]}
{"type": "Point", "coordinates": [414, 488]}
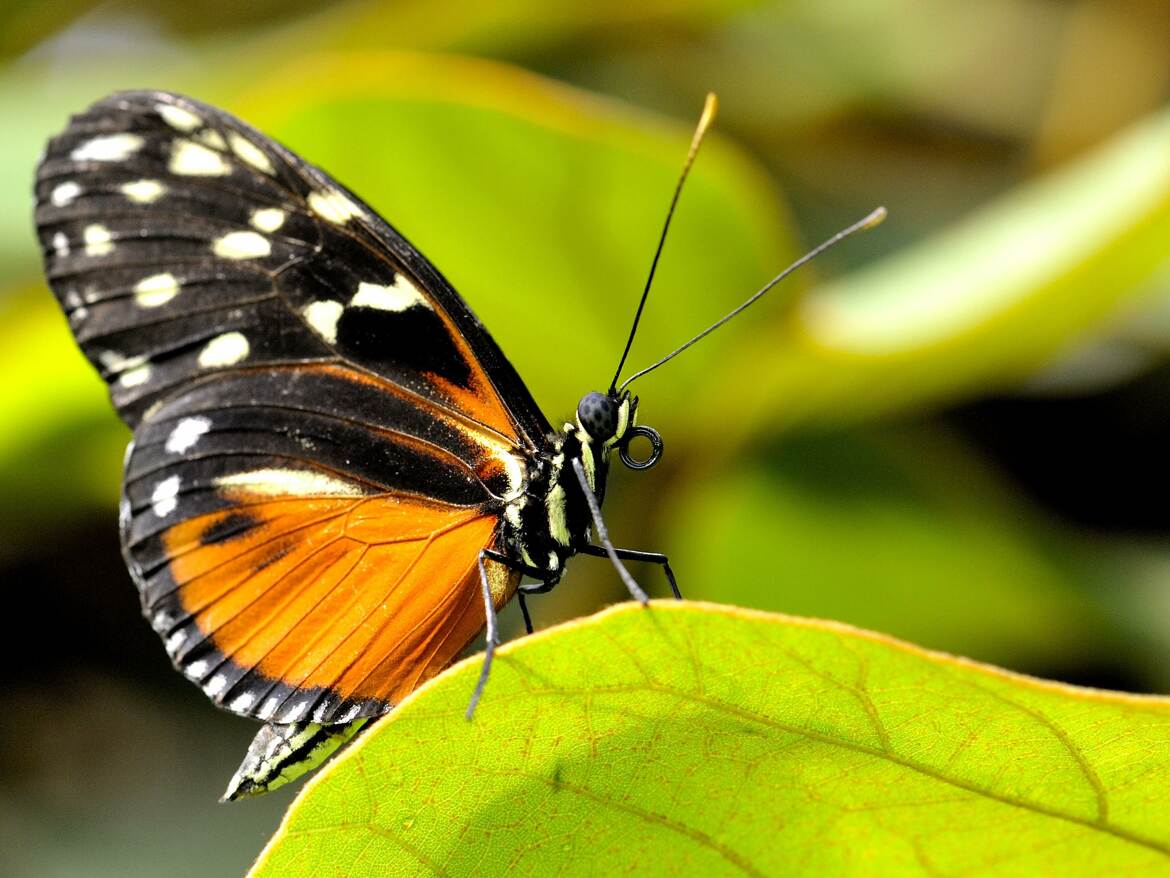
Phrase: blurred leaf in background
{"type": "Point", "coordinates": [951, 439]}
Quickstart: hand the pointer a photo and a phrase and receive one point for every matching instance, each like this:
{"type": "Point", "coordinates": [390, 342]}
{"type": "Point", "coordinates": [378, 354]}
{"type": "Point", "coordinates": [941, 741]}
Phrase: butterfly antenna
{"type": "Point", "coordinates": [861, 225]}
{"type": "Point", "coordinates": [709, 109]}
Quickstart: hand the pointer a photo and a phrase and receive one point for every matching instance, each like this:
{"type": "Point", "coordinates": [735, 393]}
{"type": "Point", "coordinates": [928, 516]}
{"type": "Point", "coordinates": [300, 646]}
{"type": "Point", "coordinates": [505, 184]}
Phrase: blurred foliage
{"type": "Point", "coordinates": [980, 306]}
{"type": "Point", "coordinates": [951, 560]}
{"type": "Point", "coordinates": [692, 739]}
{"type": "Point", "coordinates": [828, 453]}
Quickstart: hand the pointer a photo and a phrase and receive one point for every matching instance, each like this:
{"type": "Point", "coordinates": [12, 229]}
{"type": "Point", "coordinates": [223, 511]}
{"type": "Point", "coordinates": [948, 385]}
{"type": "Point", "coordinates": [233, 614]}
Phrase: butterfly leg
{"type": "Point", "coordinates": [524, 612]}
{"type": "Point", "coordinates": [603, 536]}
{"type": "Point", "coordinates": [491, 637]}
{"type": "Point", "coordinates": [542, 587]}
{"type": "Point", "coordinates": [635, 555]}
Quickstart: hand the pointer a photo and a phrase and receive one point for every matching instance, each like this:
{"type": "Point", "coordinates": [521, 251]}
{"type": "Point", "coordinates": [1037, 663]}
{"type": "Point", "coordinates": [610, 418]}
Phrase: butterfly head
{"type": "Point", "coordinates": [609, 419]}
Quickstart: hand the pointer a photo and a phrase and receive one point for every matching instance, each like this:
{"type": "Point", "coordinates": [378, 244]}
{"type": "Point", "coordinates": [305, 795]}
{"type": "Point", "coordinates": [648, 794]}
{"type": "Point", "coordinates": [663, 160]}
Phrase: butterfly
{"type": "Point", "coordinates": [336, 477]}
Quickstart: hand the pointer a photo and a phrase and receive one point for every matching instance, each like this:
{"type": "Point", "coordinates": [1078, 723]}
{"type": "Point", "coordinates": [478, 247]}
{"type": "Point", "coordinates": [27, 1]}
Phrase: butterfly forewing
{"type": "Point", "coordinates": [322, 446]}
{"type": "Point", "coordinates": [167, 225]}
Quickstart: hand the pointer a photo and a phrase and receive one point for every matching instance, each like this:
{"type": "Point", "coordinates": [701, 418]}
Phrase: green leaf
{"type": "Point", "coordinates": [695, 739]}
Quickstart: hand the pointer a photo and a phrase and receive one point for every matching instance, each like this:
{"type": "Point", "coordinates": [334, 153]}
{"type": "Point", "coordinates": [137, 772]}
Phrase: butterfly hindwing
{"type": "Point", "coordinates": [325, 436]}
{"type": "Point", "coordinates": [329, 606]}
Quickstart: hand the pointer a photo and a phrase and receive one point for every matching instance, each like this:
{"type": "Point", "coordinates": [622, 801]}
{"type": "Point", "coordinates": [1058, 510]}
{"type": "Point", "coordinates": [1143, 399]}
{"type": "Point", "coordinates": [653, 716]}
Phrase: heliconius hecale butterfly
{"type": "Point", "coordinates": [336, 477]}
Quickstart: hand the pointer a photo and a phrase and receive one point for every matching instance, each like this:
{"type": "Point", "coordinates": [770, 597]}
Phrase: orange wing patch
{"type": "Point", "coordinates": [361, 599]}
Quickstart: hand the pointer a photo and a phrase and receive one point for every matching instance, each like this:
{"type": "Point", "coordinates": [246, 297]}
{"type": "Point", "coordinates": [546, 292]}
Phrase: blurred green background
{"type": "Point", "coordinates": [952, 429]}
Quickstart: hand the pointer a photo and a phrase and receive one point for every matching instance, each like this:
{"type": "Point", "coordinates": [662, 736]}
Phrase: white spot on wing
{"type": "Point", "coordinates": [108, 148]}
{"type": "Point", "coordinates": [268, 219]}
{"type": "Point", "coordinates": [165, 496]}
{"type": "Point", "coordinates": [186, 434]}
{"type": "Point", "coordinates": [175, 642]}
{"type": "Point", "coordinates": [143, 191]}
{"type": "Point", "coordinates": [135, 376]}
{"type": "Point", "coordinates": [333, 206]}
{"type": "Point", "coordinates": [193, 159]}
{"type": "Point", "coordinates": [399, 296]}
{"type": "Point", "coordinates": [322, 317]}
{"type": "Point", "coordinates": [63, 193]}
{"type": "Point", "coordinates": [350, 714]}
{"type": "Point", "coordinates": [241, 245]}
{"type": "Point", "coordinates": [60, 244]}
{"type": "Point", "coordinates": [295, 482]}
{"type": "Point", "coordinates": [212, 138]}
{"type": "Point", "coordinates": [114, 362]}
{"type": "Point", "coordinates": [158, 289]}
{"type": "Point", "coordinates": [250, 153]}
{"type": "Point", "coordinates": [224, 350]}
{"type": "Point", "coordinates": [178, 118]}
{"type": "Point", "coordinates": [269, 708]}
{"type": "Point", "coordinates": [298, 711]}
{"type": "Point", "coordinates": [242, 701]}
{"type": "Point", "coordinates": [74, 304]}
{"type": "Point", "coordinates": [98, 241]}
{"type": "Point", "coordinates": [215, 685]}
{"type": "Point", "coordinates": [196, 669]}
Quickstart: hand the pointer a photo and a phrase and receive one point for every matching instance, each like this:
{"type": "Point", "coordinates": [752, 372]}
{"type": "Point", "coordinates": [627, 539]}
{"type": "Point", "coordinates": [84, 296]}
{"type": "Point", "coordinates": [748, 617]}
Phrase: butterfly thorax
{"type": "Point", "coordinates": [550, 521]}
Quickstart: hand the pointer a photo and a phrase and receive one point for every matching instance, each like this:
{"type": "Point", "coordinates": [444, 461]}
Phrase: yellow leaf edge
{"type": "Point", "coordinates": [471, 665]}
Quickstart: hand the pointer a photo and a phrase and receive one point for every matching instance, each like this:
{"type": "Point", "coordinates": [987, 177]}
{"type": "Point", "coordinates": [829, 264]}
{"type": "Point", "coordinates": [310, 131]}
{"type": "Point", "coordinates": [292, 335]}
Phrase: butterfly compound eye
{"type": "Point", "coordinates": [597, 413]}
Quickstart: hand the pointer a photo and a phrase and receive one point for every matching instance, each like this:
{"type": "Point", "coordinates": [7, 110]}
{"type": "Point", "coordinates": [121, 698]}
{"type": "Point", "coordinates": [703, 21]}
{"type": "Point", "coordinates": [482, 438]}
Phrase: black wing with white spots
{"type": "Point", "coordinates": [182, 242]}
